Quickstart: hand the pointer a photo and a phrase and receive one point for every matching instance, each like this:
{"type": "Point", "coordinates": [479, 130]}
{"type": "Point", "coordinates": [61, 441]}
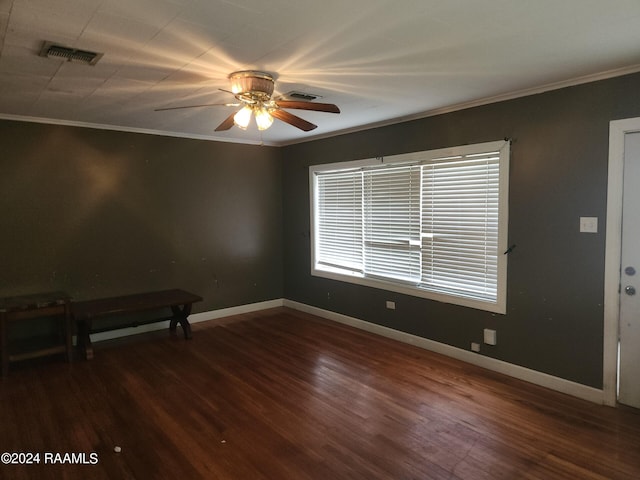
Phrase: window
{"type": "Point", "coordinates": [431, 224]}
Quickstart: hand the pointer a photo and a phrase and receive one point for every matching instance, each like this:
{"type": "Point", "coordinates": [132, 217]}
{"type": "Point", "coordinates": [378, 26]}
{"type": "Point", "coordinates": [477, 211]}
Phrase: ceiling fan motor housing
{"type": "Point", "coordinates": [252, 86]}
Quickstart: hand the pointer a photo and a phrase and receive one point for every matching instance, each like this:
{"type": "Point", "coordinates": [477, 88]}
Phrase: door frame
{"type": "Point", "coordinates": [613, 255]}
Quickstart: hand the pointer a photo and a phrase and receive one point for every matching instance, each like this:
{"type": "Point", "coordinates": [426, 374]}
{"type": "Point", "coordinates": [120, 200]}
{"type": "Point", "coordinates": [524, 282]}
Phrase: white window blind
{"type": "Point", "coordinates": [339, 219]}
{"type": "Point", "coordinates": [431, 224]}
{"type": "Point", "coordinates": [460, 225]}
{"type": "Point", "coordinates": [392, 223]}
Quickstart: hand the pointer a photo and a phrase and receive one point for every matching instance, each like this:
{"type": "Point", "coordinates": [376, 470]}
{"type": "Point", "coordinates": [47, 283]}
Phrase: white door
{"type": "Point", "coordinates": [629, 369]}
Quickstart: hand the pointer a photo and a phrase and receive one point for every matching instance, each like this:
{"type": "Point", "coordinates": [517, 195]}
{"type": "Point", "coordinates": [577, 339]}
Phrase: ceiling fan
{"type": "Point", "coordinates": [253, 89]}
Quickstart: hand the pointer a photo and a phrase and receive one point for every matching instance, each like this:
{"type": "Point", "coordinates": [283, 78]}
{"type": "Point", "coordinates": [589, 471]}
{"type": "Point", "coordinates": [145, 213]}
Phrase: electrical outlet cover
{"type": "Point", "coordinates": [589, 224]}
{"type": "Point", "coordinates": [489, 336]}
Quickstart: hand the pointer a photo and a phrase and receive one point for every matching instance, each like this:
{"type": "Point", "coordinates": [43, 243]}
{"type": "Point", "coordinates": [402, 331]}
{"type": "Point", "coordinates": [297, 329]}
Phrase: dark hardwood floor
{"type": "Point", "coordinates": [281, 395]}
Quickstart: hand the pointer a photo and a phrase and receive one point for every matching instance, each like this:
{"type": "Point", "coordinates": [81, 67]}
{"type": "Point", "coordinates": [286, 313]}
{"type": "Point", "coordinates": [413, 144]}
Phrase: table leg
{"type": "Point", "coordinates": [67, 332]}
{"type": "Point", "coordinates": [4, 344]}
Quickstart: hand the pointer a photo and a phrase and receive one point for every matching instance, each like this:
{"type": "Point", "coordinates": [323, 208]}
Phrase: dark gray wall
{"type": "Point", "coordinates": [100, 213]}
{"type": "Point", "coordinates": [559, 157]}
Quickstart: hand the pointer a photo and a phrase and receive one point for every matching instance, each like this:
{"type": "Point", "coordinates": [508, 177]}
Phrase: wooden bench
{"type": "Point", "coordinates": [86, 312]}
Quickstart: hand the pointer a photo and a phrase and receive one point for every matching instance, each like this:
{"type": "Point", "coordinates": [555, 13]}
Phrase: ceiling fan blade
{"type": "Point", "coordinates": [291, 119]}
{"type": "Point", "coordinates": [198, 106]}
{"type": "Point", "coordinates": [226, 124]}
{"type": "Point", "coordinates": [318, 107]}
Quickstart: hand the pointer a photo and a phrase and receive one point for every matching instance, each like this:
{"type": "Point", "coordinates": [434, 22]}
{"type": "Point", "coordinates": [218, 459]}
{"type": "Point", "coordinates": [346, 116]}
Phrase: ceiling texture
{"type": "Point", "coordinates": [380, 61]}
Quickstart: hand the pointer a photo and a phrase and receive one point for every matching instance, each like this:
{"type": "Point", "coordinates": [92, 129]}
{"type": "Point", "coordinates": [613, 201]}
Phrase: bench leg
{"type": "Point", "coordinates": [180, 316]}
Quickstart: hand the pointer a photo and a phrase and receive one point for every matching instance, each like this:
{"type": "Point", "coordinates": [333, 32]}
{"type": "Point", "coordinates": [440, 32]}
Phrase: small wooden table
{"type": "Point", "coordinates": [13, 309]}
{"type": "Point", "coordinates": [177, 300]}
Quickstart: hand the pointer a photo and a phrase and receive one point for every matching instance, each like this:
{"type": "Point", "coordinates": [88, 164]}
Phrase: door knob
{"type": "Point", "coordinates": [629, 290]}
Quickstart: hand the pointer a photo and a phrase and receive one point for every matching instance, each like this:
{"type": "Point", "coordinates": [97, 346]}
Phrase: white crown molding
{"type": "Point", "coordinates": [394, 121]}
{"type": "Point", "coordinates": [619, 72]}
{"type": "Point", "coordinates": [145, 131]}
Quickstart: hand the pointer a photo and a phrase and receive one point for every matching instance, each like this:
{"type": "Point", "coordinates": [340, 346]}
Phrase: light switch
{"type": "Point", "coordinates": [589, 224]}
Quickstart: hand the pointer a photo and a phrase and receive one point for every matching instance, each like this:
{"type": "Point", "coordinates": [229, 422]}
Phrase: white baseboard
{"type": "Point", "coordinates": [532, 376]}
{"type": "Point", "coordinates": [538, 378]}
{"type": "Point", "coordinates": [239, 310]}
{"type": "Point", "coordinates": [193, 318]}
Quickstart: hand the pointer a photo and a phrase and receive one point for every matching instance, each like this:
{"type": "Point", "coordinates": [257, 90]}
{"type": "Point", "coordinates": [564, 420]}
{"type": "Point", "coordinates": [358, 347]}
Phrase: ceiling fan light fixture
{"type": "Point", "coordinates": [243, 117]}
{"type": "Point", "coordinates": [263, 118]}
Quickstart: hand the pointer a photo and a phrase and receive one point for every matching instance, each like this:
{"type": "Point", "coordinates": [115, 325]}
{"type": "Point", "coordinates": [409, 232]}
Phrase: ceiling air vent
{"type": "Point", "coordinates": [51, 50]}
{"type": "Point", "coordinates": [306, 97]}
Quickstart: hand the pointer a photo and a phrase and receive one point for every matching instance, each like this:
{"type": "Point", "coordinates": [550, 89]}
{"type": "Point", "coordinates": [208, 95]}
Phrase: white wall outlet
{"type": "Point", "coordinates": [475, 347]}
{"type": "Point", "coordinates": [588, 224]}
{"type": "Point", "coordinates": [391, 305]}
{"type": "Point", "coordinates": [490, 336]}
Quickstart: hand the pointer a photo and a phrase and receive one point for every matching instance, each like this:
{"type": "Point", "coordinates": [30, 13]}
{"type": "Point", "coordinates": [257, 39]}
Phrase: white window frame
{"type": "Point", "coordinates": [497, 305]}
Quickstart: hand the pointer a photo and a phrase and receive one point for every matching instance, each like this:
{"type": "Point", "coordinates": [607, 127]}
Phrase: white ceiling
{"type": "Point", "coordinates": [380, 61]}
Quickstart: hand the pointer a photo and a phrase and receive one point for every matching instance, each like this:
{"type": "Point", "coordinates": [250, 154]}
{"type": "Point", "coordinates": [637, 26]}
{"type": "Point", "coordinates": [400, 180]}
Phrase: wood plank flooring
{"type": "Point", "coordinates": [281, 395]}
